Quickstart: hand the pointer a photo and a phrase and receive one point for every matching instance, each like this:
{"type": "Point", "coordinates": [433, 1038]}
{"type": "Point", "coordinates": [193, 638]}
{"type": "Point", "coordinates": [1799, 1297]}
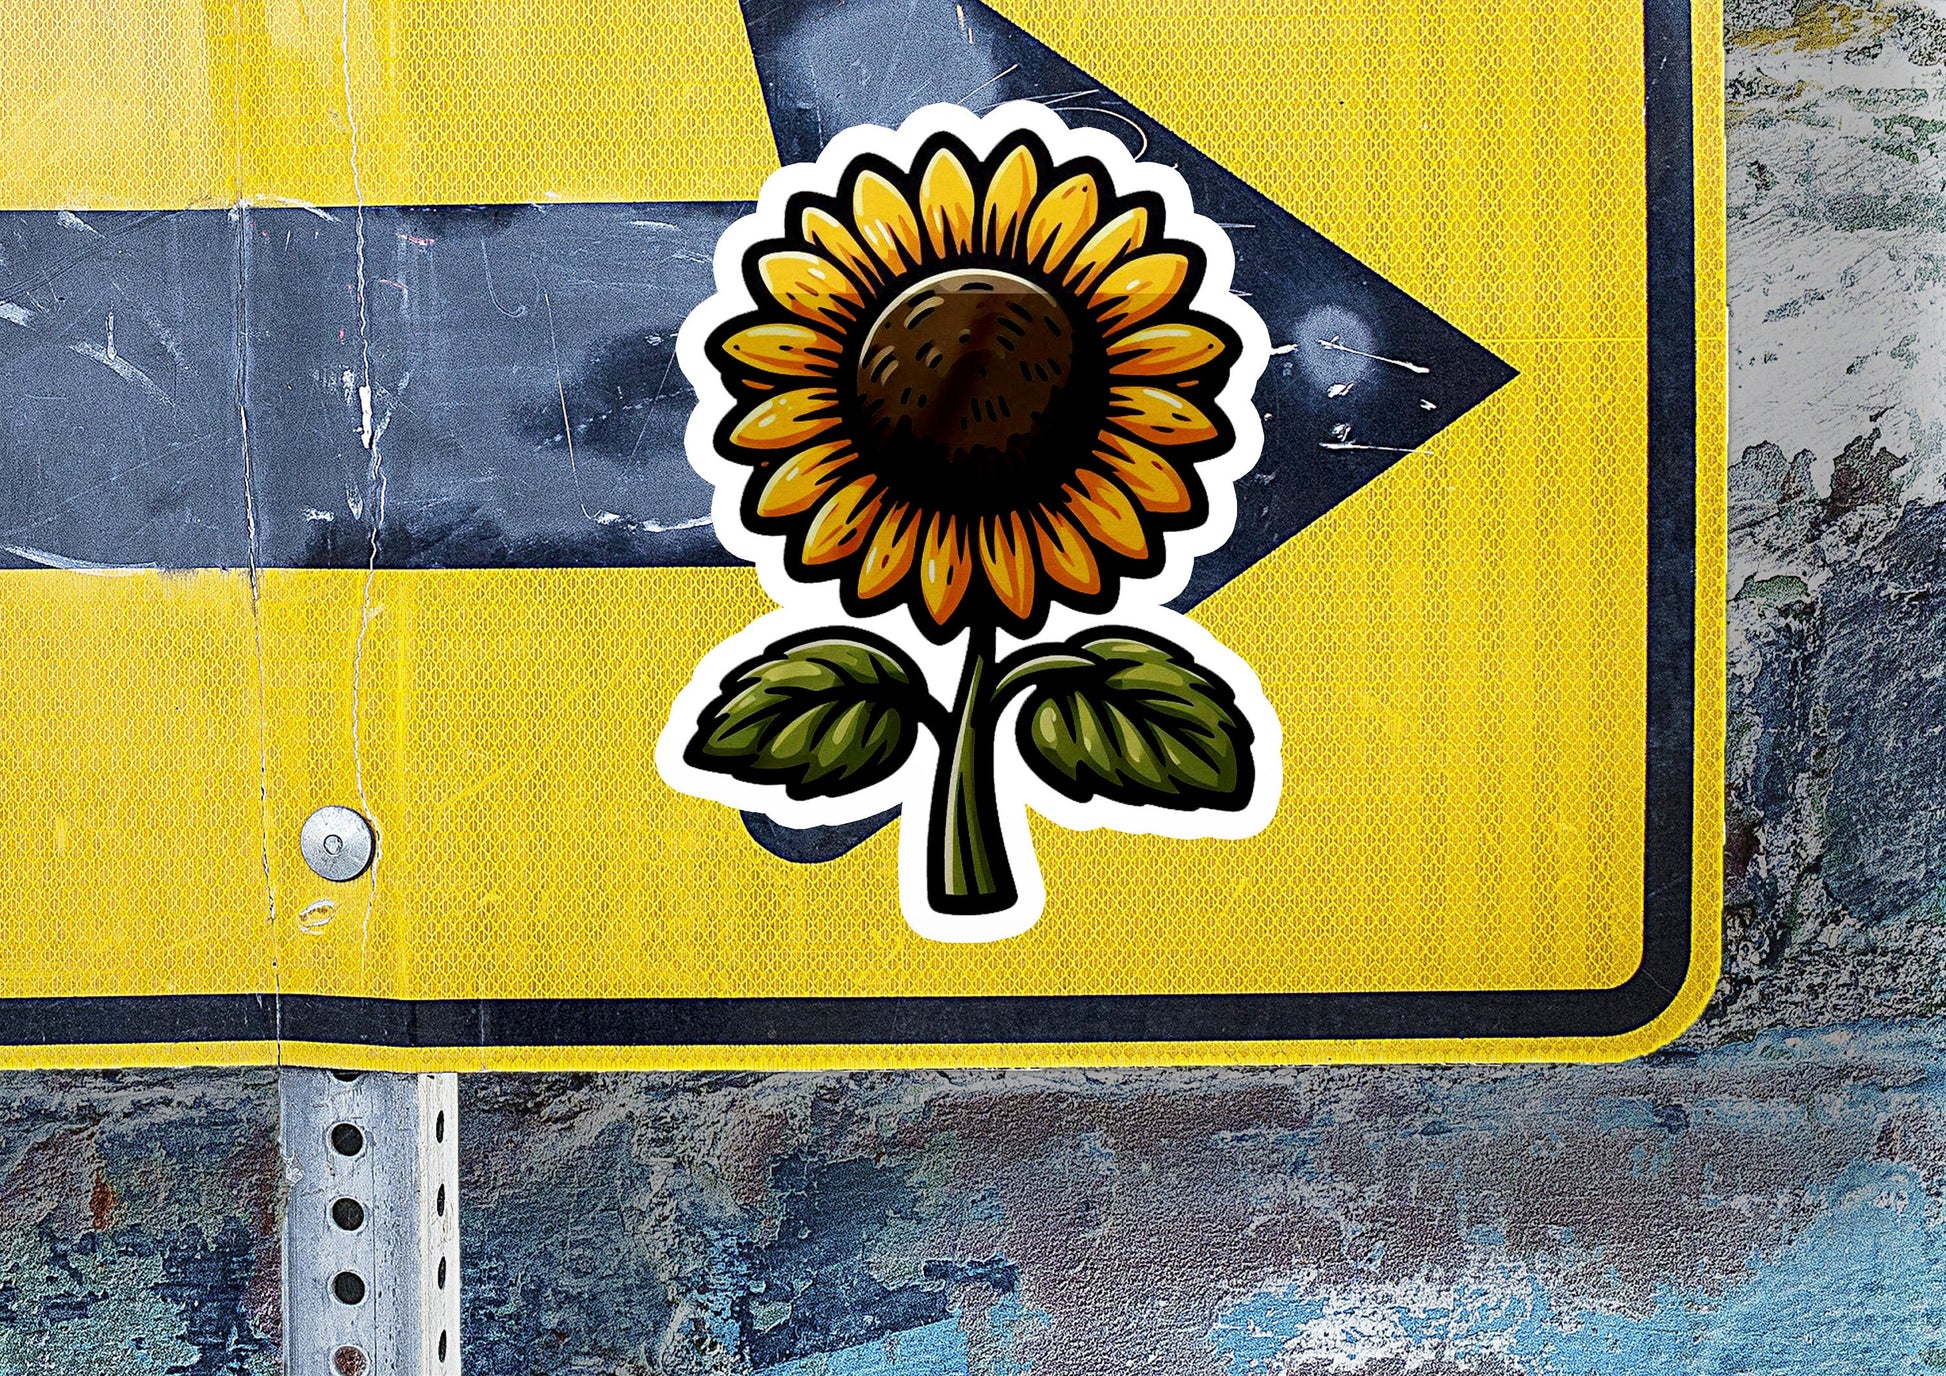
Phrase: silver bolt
{"type": "Point", "coordinates": [337, 843]}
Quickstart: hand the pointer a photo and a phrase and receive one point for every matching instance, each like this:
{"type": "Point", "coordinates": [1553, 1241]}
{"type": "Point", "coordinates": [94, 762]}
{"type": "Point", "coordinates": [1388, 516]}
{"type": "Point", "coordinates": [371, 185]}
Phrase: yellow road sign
{"type": "Point", "coordinates": [1160, 535]}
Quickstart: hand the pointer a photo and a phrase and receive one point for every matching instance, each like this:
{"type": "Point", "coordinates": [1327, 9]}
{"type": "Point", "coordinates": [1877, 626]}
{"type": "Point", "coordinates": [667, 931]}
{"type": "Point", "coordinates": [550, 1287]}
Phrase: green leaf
{"type": "Point", "coordinates": [1137, 720]}
{"type": "Point", "coordinates": [822, 714]}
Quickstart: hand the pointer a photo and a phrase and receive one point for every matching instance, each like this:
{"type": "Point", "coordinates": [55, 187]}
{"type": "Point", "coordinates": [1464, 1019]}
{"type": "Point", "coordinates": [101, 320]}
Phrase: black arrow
{"type": "Point", "coordinates": [505, 395]}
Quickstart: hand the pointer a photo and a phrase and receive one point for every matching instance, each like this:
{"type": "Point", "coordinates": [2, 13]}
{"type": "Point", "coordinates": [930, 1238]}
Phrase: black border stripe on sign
{"type": "Point", "coordinates": [1137, 1018]}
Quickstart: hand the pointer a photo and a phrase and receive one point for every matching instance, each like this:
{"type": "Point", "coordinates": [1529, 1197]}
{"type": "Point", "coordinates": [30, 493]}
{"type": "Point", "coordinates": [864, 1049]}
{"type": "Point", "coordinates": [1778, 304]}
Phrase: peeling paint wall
{"type": "Point", "coordinates": [139, 1223]}
{"type": "Point", "coordinates": [1768, 1195]}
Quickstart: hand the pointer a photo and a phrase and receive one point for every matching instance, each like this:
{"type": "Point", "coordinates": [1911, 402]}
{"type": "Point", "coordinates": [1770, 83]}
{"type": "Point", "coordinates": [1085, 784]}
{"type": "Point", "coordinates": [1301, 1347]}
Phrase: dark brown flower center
{"type": "Point", "coordinates": [965, 364]}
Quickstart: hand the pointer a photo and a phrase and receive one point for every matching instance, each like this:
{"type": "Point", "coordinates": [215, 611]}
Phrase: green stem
{"type": "Point", "coordinates": [966, 857]}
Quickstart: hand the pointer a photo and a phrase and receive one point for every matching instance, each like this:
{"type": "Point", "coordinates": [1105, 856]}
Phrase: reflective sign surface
{"type": "Point", "coordinates": [1325, 663]}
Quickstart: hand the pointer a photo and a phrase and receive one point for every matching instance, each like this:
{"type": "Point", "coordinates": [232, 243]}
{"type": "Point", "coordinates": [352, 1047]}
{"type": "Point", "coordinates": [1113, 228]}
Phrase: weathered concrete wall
{"type": "Point", "coordinates": [138, 1223]}
{"type": "Point", "coordinates": [1769, 1195]}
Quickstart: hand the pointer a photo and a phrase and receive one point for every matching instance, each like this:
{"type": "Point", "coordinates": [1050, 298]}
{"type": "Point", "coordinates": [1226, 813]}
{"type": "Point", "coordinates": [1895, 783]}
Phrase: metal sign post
{"type": "Point", "coordinates": [371, 1227]}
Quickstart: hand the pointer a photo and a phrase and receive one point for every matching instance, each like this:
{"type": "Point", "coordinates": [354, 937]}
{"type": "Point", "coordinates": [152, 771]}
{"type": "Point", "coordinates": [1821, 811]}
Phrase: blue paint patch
{"type": "Point", "coordinates": [1252, 1333]}
{"type": "Point", "coordinates": [1862, 1289]}
{"type": "Point", "coordinates": [1007, 1322]}
{"type": "Point", "coordinates": [935, 1349]}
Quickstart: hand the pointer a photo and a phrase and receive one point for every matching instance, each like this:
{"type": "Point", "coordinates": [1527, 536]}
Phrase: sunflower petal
{"type": "Point", "coordinates": [1113, 240]}
{"type": "Point", "coordinates": [787, 419]}
{"type": "Point", "coordinates": [889, 556]}
{"type": "Point", "coordinates": [1159, 417]}
{"type": "Point", "coordinates": [1151, 479]}
{"type": "Point", "coordinates": [1163, 350]}
{"type": "Point", "coordinates": [945, 567]}
{"type": "Point", "coordinates": [842, 523]}
{"type": "Point", "coordinates": [1009, 197]}
{"type": "Point", "coordinates": [885, 221]}
{"type": "Point", "coordinates": [1008, 557]}
{"type": "Point", "coordinates": [1104, 510]}
{"type": "Point", "coordinates": [784, 347]}
{"type": "Point", "coordinates": [811, 286]}
{"type": "Point", "coordinates": [1065, 554]}
{"type": "Point", "coordinates": [798, 482]}
{"type": "Point", "coordinates": [830, 237]}
{"type": "Point", "coordinates": [1136, 288]}
{"type": "Point", "coordinates": [947, 204]}
{"type": "Point", "coordinates": [1063, 216]}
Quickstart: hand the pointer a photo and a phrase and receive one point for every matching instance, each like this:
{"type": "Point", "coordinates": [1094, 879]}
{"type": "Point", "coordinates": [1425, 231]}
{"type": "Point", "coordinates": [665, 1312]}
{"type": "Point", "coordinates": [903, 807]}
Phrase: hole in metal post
{"type": "Point", "coordinates": [347, 1140]}
{"type": "Point", "coordinates": [348, 1214]}
{"type": "Point", "coordinates": [442, 1273]}
{"type": "Point", "coordinates": [346, 1075]}
{"type": "Point", "coordinates": [348, 1361]}
{"type": "Point", "coordinates": [439, 1202]}
{"type": "Point", "coordinates": [442, 1344]}
{"type": "Point", "coordinates": [348, 1287]}
{"type": "Point", "coordinates": [439, 1126]}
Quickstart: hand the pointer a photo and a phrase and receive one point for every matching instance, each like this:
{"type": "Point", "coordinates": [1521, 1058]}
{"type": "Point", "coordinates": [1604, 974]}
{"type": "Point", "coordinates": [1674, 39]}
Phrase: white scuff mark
{"type": "Point", "coordinates": [350, 381]}
{"type": "Point", "coordinates": [990, 80]}
{"type": "Point", "coordinates": [604, 517]}
{"type": "Point", "coordinates": [317, 917]}
{"type": "Point", "coordinates": [1334, 343]}
{"type": "Point", "coordinates": [164, 336]}
{"type": "Point", "coordinates": [405, 292]}
{"type": "Point", "coordinates": [661, 390]}
{"type": "Point", "coordinates": [1425, 405]}
{"type": "Point", "coordinates": [1341, 440]}
{"type": "Point", "coordinates": [1051, 101]}
{"type": "Point", "coordinates": [67, 219]}
{"type": "Point", "coordinates": [567, 425]}
{"type": "Point", "coordinates": [265, 198]}
{"type": "Point", "coordinates": [1114, 114]}
{"type": "Point", "coordinates": [648, 224]}
{"type": "Point", "coordinates": [49, 559]}
{"type": "Point", "coordinates": [610, 518]}
{"type": "Point", "coordinates": [494, 296]}
{"type": "Point", "coordinates": [1373, 448]}
{"type": "Point", "coordinates": [311, 513]}
{"type": "Point", "coordinates": [378, 434]}
{"type": "Point", "coordinates": [1339, 389]}
{"type": "Point", "coordinates": [16, 314]}
{"type": "Point", "coordinates": [365, 415]}
{"type": "Point", "coordinates": [122, 368]}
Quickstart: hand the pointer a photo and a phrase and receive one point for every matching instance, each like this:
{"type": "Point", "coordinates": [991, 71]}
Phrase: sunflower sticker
{"type": "Point", "coordinates": [973, 395]}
